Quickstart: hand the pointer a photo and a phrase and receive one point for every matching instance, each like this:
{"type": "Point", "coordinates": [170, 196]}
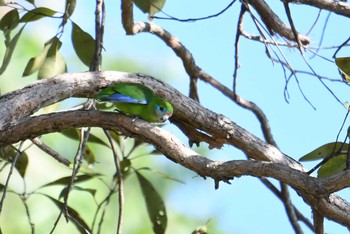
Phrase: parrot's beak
{"type": "Point", "coordinates": [167, 116]}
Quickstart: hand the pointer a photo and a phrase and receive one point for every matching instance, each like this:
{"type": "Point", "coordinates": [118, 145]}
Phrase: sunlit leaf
{"type": "Point", "coordinates": [10, 47]}
{"type": "Point", "coordinates": [52, 66]}
{"type": "Point", "coordinates": [155, 205]}
{"type": "Point", "coordinates": [31, 1]}
{"type": "Point", "coordinates": [201, 230]}
{"type": "Point", "coordinates": [36, 14]}
{"type": "Point", "coordinates": [22, 164]}
{"type": "Point", "coordinates": [34, 64]}
{"type": "Point", "coordinates": [324, 151]}
{"type": "Point", "coordinates": [73, 216]}
{"type": "Point", "coordinates": [84, 44]}
{"type": "Point", "coordinates": [69, 9]}
{"type": "Point", "coordinates": [91, 191]}
{"type": "Point", "coordinates": [344, 67]}
{"type": "Point", "coordinates": [150, 6]}
{"type": "Point", "coordinates": [78, 188]}
{"type": "Point", "coordinates": [8, 152]}
{"type": "Point", "coordinates": [125, 166]}
{"type": "Point", "coordinates": [9, 21]}
{"type": "Point", "coordinates": [332, 166]}
{"type": "Point", "coordinates": [89, 156]}
{"type": "Point", "coordinates": [78, 179]}
{"type": "Point", "coordinates": [74, 134]}
{"type": "Point", "coordinates": [165, 176]}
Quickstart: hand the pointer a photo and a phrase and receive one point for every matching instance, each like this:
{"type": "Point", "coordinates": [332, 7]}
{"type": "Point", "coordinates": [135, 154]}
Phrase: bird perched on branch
{"type": "Point", "coordinates": [137, 100]}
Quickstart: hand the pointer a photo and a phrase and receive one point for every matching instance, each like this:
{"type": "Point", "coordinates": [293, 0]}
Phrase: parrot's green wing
{"type": "Point", "coordinates": [137, 100]}
{"type": "Point", "coordinates": [129, 93]}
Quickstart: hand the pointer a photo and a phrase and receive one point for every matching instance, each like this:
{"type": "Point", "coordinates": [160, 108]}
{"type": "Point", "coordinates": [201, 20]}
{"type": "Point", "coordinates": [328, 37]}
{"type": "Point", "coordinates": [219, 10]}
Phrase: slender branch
{"type": "Point", "coordinates": [274, 23]}
{"type": "Point", "coordinates": [119, 175]}
{"type": "Point", "coordinates": [299, 215]}
{"type": "Point", "coordinates": [290, 209]}
{"type": "Point", "coordinates": [99, 31]}
{"type": "Point", "coordinates": [41, 145]}
{"type": "Point", "coordinates": [13, 164]}
{"type": "Point", "coordinates": [318, 221]}
{"type": "Point", "coordinates": [338, 7]}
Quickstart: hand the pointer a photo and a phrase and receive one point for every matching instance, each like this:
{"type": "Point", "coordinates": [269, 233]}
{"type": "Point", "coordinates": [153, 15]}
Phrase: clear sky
{"type": "Point", "coordinates": [296, 126]}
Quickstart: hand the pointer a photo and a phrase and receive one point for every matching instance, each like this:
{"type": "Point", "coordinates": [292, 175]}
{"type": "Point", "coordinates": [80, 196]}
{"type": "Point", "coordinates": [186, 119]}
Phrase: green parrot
{"type": "Point", "coordinates": [137, 100]}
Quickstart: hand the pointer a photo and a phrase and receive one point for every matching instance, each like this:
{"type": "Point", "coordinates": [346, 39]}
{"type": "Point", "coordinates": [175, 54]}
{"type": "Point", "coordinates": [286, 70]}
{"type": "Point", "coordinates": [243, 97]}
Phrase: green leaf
{"type": "Point", "coordinates": [84, 44]}
{"type": "Point", "coordinates": [10, 47]}
{"type": "Point", "coordinates": [150, 6]}
{"type": "Point", "coordinates": [155, 205]}
{"type": "Point", "coordinates": [74, 134]}
{"type": "Point", "coordinates": [52, 66]}
{"type": "Point", "coordinates": [36, 14]}
{"type": "Point", "coordinates": [22, 164]}
{"type": "Point", "coordinates": [73, 216]}
{"type": "Point", "coordinates": [9, 21]}
{"type": "Point", "coordinates": [8, 152]}
{"type": "Point", "coordinates": [125, 166]}
{"type": "Point", "coordinates": [332, 148]}
{"type": "Point", "coordinates": [34, 64]}
{"type": "Point", "coordinates": [89, 156]}
{"type": "Point", "coordinates": [78, 179]}
{"type": "Point", "coordinates": [343, 64]}
{"type": "Point", "coordinates": [70, 7]}
{"type": "Point", "coordinates": [333, 166]}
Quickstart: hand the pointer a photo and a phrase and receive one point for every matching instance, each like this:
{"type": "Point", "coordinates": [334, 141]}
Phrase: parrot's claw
{"type": "Point", "coordinates": [134, 118]}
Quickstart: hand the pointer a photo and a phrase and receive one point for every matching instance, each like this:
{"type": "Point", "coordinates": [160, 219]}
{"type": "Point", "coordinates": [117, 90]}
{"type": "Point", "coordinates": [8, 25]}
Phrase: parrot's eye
{"type": "Point", "coordinates": [161, 108]}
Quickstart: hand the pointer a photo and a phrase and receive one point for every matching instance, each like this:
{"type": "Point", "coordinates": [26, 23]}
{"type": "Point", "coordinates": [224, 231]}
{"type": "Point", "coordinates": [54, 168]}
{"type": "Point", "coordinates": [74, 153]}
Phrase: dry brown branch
{"type": "Point", "coordinates": [22, 103]}
{"type": "Point", "coordinates": [274, 23]}
{"type": "Point", "coordinates": [314, 191]}
{"type": "Point", "coordinates": [338, 7]}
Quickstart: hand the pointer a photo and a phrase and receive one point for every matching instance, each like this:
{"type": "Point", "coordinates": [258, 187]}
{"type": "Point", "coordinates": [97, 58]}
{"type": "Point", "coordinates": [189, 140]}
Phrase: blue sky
{"type": "Point", "coordinates": [296, 126]}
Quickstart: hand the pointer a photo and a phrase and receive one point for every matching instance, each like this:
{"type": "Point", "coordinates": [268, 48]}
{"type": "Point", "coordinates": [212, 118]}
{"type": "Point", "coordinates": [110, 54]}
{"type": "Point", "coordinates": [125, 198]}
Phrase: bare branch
{"type": "Point", "coordinates": [338, 7]}
{"type": "Point", "coordinates": [41, 145]}
{"type": "Point", "coordinates": [312, 189]}
{"type": "Point", "coordinates": [48, 91]}
{"type": "Point", "coordinates": [274, 23]}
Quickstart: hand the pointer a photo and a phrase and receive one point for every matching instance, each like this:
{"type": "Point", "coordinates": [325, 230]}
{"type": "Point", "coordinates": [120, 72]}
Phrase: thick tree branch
{"type": "Point", "coordinates": [274, 23]}
{"type": "Point", "coordinates": [314, 191]}
{"type": "Point", "coordinates": [338, 7]}
{"type": "Point", "coordinates": [22, 103]}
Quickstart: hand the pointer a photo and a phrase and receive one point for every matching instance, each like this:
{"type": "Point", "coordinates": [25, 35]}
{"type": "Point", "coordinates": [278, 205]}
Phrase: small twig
{"type": "Point", "coordinates": [99, 30]}
{"type": "Point", "coordinates": [194, 19]}
{"type": "Point", "coordinates": [278, 194]}
{"type": "Point", "coordinates": [78, 160]}
{"type": "Point", "coordinates": [290, 209]}
{"type": "Point", "coordinates": [294, 30]}
{"type": "Point", "coordinates": [119, 175]}
{"type": "Point", "coordinates": [105, 202]}
{"type": "Point", "coordinates": [41, 145]}
{"type": "Point", "coordinates": [274, 23]}
{"type": "Point", "coordinates": [13, 164]}
{"type": "Point", "coordinates": [31, 224]}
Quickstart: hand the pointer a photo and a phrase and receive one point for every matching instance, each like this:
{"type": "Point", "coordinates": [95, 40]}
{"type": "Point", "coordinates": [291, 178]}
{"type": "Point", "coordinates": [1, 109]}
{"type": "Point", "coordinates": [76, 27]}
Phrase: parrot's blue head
{"type": "Point", "coordinates": [163, 111]}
